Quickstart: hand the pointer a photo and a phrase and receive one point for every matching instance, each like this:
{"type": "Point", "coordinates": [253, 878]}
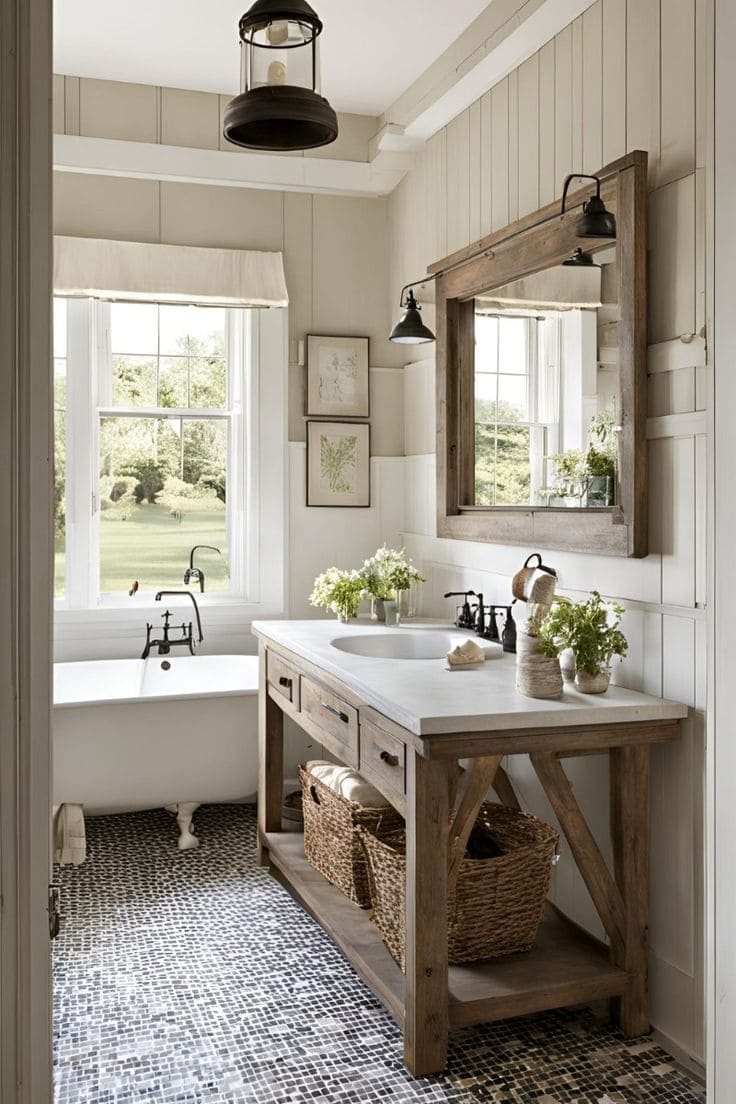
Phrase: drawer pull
{"type": "Point", "coordinates": [284, 681]}
{"type": "Point", "coordinates": [391, 760]}
{"type": "Point", "coordinates": [336, 713]}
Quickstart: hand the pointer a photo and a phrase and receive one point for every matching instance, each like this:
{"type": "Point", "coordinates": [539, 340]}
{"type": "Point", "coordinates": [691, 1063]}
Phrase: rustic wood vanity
{"type": "Point", "coordinates": [405, 724]}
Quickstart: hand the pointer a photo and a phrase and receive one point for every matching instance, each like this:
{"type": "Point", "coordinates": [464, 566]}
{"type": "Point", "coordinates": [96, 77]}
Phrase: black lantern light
{"type": "Point", "coordinates": [595, 221]}
{"type": "Point", "coordinates": [410, 330]}
{"type": "Point", "coordinates": [280, 106]}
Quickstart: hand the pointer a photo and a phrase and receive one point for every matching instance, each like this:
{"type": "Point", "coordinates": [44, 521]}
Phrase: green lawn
{"type": "Point", "coordinates": [153, 547]}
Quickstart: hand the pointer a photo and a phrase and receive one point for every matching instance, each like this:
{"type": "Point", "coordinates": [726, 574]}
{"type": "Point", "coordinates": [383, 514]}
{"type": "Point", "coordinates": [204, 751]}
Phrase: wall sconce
{"type": "Point", "coordinates": [579, 259]}
{"type": "Point", "coordinates": [595, 221]}
{"type": "Point", "coordinates": [410, 330]}
{"type": "Point", "coordinates": [280, 106]}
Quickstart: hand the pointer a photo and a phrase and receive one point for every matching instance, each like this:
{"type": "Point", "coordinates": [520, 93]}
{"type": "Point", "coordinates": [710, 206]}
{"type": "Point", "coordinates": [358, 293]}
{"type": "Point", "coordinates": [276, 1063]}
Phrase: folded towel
{"type": "Point", "coordinates": [346, 782]}
{"type": "Point", "coordinates": [70, 843]}
{"type": "Point", "coordinates": [466, 654]}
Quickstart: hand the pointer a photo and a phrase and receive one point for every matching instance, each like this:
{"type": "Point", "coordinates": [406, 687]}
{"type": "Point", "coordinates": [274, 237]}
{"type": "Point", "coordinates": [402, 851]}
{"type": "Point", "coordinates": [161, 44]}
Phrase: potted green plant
{"type": "Point", "coordinates": [387, 576]}
{"type": "Point", "coordinates": [600, 461]}
{"type": "Point", "coordinates": [338, 591]}
{"type": "Point", "coordinates": [590, 629]}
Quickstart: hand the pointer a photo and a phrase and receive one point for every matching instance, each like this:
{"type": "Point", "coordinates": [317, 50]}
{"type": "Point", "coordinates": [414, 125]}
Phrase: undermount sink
{"type": "Point", "coordinates": [404, 644]}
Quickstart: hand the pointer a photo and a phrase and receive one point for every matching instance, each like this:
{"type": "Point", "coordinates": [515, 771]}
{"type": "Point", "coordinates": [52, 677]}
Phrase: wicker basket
{"type": "Point", "coordinates": [331, 841]}
{"type": "Point", "coordinates": [498, 902]}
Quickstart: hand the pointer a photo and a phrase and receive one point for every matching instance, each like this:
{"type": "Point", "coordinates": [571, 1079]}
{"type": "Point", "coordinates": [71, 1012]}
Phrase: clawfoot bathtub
{"type": "Point", "coordinates": [132, 734]}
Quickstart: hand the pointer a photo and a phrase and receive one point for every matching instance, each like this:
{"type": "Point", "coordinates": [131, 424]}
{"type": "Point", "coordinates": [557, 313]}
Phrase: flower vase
{"type": "Point", "coordinates": [377, 611]}
{"type": "Point", "coordinates": [391, 612]}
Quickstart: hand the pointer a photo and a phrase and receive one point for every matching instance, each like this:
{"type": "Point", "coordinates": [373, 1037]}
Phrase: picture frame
{"type": "Point", "coordinates": [338, 464]}
{"type": "Point", "coordinates": [337, 377]}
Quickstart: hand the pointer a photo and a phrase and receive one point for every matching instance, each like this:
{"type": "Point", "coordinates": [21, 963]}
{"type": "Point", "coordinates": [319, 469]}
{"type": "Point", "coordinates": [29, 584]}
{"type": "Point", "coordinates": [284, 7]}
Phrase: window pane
{"type": "Point", "coordinates": [173, 382]}
{"type": "Point", "coordinates": [486, 343]}
{"type": "Point", "coordinates": [512, 398]}
{"type": "Point", "coordinates": [485, 397]}
{"type": "Point", "coordinates": [512, 345]}
{"type": "Point", "coordinates": [485, 465]}
{"type": "Point", "coordinates": [192, 331]}
{"type": "Point", "coordinates": [134, 381]}
{"type": "Point", "coordinates": [163, 488]}
{"type": "Point", "coordinates": [134, 328]}
{"type": "Point", "coordinates": [196, 382]}
{"type": "Point", "coordinates": [512, 465]}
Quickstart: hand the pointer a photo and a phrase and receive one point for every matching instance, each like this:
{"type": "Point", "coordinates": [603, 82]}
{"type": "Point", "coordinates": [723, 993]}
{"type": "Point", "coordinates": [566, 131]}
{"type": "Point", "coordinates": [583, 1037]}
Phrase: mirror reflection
{"type": "Point", "coordinates": [547, 387]}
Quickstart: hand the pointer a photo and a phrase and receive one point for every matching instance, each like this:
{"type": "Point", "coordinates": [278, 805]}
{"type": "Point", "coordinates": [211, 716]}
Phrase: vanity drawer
{"type": "Point", "coordinates": [334, 717]}
{"type": "Point", "coordinates": [382, 760]}
{"type": "Point", "coordinates": [283, 678]}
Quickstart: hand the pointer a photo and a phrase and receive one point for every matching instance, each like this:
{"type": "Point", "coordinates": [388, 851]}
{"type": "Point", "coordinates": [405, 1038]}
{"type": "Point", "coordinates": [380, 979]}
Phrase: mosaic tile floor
{"type": "Point", "coordinates": [195, 978]}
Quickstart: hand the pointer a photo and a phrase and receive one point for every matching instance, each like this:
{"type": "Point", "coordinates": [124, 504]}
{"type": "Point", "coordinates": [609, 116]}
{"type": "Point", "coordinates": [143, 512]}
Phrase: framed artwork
{"type": "Point", "coordinates": [337, 377]}
{"type": "Point", "coordinates": [338, 464]}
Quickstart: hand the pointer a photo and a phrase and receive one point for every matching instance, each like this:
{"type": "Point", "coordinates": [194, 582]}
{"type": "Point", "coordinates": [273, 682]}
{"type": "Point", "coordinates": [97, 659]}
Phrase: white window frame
{"type": "Point", "coordinates": [257, 531]}
{"type": "Point", "coordinates": [537, 429]}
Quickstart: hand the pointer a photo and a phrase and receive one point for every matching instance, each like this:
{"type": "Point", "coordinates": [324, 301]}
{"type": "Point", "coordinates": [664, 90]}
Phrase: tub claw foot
{"type": "Point", "coordinates": [184, 813]}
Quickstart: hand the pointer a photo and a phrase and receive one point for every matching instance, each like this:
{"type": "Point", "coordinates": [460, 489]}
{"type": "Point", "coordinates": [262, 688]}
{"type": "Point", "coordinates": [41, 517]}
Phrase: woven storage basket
{"type": "Point", "coordinates": [498, 902]}
{"type": "Point", "coordinates": [331, 841]}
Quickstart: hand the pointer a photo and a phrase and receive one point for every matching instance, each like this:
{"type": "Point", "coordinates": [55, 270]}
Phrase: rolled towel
{"type": "Point", "coordinates": [465, 655]}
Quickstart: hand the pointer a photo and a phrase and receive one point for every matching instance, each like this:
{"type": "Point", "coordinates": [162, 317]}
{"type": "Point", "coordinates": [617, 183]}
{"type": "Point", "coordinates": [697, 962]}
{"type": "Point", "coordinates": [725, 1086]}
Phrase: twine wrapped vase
{"type": "Point", "coordinates": [537, 676]}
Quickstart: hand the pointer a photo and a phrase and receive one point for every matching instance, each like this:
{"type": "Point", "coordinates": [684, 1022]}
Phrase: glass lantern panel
{"type": "Point", "coordinates": [278, 67]}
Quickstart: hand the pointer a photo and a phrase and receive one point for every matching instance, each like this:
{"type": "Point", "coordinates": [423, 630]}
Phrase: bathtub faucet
{"type": "Point", "coordinates": [166, 643]}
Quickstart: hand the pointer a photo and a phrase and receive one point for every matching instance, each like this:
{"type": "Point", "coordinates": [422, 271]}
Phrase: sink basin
{"type": "Point", "coordinates": [405, 644]}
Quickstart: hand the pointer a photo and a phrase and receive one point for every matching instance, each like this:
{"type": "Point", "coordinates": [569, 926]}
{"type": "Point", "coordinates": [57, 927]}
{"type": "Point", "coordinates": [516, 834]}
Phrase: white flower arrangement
{"type": "Point", "coordinates": [339, 591]}
{"type": "Point", "coordinates": [387, 572]}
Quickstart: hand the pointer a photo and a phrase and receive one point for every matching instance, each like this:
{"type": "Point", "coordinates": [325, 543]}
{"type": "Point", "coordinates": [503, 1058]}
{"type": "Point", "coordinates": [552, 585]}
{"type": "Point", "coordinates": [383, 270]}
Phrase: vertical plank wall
{"type": "Point", "coordinates": [622, 76]}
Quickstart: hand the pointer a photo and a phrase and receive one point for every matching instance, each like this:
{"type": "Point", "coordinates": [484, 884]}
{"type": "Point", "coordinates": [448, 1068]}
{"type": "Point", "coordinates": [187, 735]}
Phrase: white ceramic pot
{"type": "Point", "coordinates": [593, 684]}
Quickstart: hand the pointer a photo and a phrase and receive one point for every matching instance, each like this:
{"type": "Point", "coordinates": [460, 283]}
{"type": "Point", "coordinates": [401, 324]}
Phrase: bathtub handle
{"type": "Point", "coordinates": [336, 713]}
{"type": "Point", "coordinates": [284, 681]}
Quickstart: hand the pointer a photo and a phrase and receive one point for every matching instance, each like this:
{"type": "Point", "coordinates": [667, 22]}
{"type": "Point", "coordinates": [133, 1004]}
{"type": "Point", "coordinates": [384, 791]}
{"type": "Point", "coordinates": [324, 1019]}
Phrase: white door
{"type": "Point", "coordinates": [25, 548]}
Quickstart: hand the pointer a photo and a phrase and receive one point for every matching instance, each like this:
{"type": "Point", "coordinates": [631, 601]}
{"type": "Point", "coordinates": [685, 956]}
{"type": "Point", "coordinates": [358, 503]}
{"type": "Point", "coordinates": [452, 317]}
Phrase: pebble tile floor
{"type": "Point", "coordinates": [195, 978]}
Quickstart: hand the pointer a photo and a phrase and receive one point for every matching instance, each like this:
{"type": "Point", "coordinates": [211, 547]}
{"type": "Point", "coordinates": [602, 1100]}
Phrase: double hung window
{"type": "Point", "coordinates": [151, 447]}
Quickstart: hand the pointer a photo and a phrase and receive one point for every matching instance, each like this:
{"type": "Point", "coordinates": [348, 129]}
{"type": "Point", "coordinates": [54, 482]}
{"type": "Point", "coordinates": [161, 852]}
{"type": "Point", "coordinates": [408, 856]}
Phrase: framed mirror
{"type": "Point", "coordinates": [541, 378]}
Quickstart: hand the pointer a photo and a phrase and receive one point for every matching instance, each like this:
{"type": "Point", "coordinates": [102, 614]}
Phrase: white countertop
{"type": "Point", "coordinates": [426, 698]}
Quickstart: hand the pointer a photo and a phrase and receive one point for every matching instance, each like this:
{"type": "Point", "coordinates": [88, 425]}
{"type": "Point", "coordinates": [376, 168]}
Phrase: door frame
{"type": "Point", "coordinates": [26, 548]}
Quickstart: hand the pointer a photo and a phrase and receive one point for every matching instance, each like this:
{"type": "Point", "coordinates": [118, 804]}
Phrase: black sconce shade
{"type": "Point", "coordinates": [579, 259]}
{"type": "Point", "coordinates": [410, 330]}
{"type": "Point", "coordinates": [595, 221]}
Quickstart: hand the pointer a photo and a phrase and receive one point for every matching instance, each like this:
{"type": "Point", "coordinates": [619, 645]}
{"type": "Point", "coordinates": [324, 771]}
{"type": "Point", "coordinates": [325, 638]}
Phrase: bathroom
{"type": "Point", "coordinates": [196, 286]}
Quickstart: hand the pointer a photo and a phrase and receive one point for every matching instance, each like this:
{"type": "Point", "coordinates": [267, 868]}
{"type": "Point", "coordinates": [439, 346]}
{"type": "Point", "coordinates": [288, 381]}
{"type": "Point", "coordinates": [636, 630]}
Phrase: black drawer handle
{"type": "Point", "coordinates": [284, 681]}
{"type": "Point", "coordinates": [391, 760]}
{"type": "Point", "coordinates": [336, 713]}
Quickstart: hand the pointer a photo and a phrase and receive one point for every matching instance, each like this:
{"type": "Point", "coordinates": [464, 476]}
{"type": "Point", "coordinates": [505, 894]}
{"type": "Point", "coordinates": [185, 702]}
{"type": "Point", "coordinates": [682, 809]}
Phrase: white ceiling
{"type": "Point", "coordinates": [372, 50]}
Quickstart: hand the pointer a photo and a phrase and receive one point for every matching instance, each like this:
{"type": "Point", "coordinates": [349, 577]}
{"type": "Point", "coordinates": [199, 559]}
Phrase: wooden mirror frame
{"type": "Point", "coordinates": [535, 242]}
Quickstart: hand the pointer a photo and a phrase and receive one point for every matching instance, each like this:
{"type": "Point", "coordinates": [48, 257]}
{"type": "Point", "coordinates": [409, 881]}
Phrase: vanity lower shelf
{"type": "Point", "coordinates": [567, 966]}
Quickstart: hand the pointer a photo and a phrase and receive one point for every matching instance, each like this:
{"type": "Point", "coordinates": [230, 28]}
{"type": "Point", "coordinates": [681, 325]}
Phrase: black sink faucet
{"type": "Point", "coordinates": [466, 617]}
{"type": "Point", "coordinates": [197, 573]}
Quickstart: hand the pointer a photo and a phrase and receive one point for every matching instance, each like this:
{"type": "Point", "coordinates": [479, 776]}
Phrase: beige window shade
{"type": "Point", "coordinates": [168, 273]}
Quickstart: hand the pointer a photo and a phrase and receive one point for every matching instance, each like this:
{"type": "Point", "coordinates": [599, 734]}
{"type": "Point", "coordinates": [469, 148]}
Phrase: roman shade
{"type": "Point", "coordinates": [143, 272]}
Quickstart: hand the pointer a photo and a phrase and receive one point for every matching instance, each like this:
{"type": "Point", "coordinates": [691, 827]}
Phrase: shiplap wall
{"type": "Point", "coordinates": [623, 76]}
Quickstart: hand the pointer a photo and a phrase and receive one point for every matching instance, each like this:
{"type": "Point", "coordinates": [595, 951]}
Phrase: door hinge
{"type": "Point", "coordinates": [54, 911]}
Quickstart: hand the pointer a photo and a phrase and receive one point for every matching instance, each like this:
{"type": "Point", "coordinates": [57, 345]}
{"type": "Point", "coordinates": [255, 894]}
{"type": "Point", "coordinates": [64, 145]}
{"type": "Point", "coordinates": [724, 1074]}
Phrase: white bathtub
{"type": "Point", "coordinates": [133, 734]}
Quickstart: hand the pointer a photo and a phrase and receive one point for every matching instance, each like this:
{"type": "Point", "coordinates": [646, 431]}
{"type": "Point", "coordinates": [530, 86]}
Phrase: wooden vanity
{"type": "Point", "coordinates": [405, 725]}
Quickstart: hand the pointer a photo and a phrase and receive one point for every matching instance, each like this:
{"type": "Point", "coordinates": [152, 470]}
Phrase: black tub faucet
{"type": "Point", "coordinates": [185, 594]}
{"type": "Point", "coordinates": [197, 573]}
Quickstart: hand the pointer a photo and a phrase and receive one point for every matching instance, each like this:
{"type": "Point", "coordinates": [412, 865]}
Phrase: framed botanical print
{"type": "Point", "coordinates": [338, 464]}
{"type": "Point", "coordinates": [337, 377]}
